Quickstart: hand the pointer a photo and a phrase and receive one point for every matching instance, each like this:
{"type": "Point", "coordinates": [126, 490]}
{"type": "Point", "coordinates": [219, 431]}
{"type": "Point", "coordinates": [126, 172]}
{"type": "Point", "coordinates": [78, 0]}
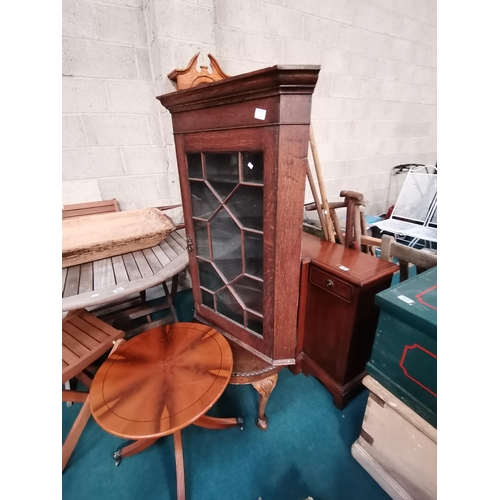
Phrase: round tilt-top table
{"type": "Point", "coordinates": [159, 382]}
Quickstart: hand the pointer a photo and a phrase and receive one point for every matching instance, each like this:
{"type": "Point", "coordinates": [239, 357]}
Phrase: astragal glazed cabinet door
{"type": "Point", "coordinates": [241, 148]}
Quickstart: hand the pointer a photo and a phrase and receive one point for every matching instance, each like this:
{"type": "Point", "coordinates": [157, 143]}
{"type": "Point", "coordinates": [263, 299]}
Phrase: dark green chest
{"type": "Point", "coordinates": [404, 355]}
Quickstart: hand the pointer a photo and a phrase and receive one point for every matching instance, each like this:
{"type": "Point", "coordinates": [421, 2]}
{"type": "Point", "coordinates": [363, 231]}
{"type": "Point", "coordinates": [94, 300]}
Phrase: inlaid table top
{"type": "Point", "coordinates": [108, 280]}
{"type": "Point", "coordinates": [161, 381]}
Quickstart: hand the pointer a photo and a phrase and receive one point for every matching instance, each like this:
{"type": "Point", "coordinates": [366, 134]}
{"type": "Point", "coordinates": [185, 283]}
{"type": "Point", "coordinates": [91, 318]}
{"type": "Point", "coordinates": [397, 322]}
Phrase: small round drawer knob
{"type": "Point", "coordinates": [329, 284]}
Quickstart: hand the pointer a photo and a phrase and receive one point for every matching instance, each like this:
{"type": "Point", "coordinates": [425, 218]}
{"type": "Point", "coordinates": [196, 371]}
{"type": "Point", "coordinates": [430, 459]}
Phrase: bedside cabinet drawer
{"type": "Point", "coordinates": [330, 284]}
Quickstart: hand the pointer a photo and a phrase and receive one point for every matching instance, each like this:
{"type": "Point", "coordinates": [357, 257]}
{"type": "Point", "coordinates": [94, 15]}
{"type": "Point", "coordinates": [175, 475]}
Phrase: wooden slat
{"type": "Point", "coordinates": [181, 233]}
{"type": "Point", "coordinates": [161, 255]}
{"type": "Point", "coordinates": [103, 274]}
{"type": "Point", "coordinates": [100, 325]}
{"type": "Point", "coordinates": [72, 281]}
{"type": "Point", "coordinates": [75, 346]}
{"type": "Point", "coordinates": [170, 240]}
{"type": "Point", "coordinates": [179, 239]}
{"type": "Point", "coordinates": [69, 356]}
{"type": "Point", "coordinates": [86, 211]}
{"type": "Point", "coordinates": [72, 330]}
{"type": "Point", "coordinates": [89, 208]}
{"type": "Point", "coordinates": [119, 269]}
{"type": "Point", "coordinates": [171, 253]}
{"type": "Point", "coordinates": [142, 264]}
{"type": "Point", "coordinates": [86, 278]}
{"type": "Point", "coordinates": [64, 274]}
{"type": "Point", "coordinates": [95, 333]}
{"type": "Point", "coordinates": [131, 267]}
{"type": "Point", "coordinates": [152, 259]}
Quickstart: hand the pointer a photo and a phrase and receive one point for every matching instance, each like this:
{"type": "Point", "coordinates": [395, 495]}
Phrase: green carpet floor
{"type": "Point", "coordinates": [305, 451]}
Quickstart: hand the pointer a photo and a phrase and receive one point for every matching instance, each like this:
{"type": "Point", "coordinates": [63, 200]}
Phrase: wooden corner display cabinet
{"type": "Point", "coordinates": [241, 146]}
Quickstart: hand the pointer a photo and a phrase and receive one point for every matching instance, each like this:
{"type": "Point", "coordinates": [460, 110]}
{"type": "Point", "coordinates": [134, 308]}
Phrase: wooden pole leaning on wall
{"type": "Point", "coordinates": [317, 201]}
{"type": "Point", "coordinates": [329, 235]}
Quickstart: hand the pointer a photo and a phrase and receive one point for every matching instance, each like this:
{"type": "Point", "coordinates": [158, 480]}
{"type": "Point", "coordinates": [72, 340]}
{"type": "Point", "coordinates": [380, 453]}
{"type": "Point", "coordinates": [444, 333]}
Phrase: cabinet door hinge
{"type": "Point", "coordinates": [189, 240]}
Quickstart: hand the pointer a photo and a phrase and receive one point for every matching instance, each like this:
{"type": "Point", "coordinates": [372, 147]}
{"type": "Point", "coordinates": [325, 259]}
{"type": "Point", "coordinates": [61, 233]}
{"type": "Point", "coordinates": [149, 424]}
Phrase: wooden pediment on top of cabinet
{"type": "Point", "coordinates": [190, 77]}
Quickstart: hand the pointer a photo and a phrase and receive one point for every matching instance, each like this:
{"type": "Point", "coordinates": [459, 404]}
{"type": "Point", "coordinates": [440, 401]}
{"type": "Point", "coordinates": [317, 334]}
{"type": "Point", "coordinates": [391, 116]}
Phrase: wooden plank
{"type": "Point", "coordinates": [161, 255]}
{"type": "Point", "coordinates": [86, 278]}
{"type": "Point", "coordinates": [152, 259]}
{"type": "Point", "coordinates": [173, 243]}
{"type": "Point", "coordinates": [103, 274]}
{"type": "Point", "coordinates": [75, 346]}
{"type": "Point", "coordinates": [92, 237]}
{"type": "Point", "coordinates": [97, 324]}
{"type": "Point", "coordinates": [95, 333]}
{"type": "Point", "coordinates": [72, 282]}
{"type": "Point", "coordinates": [171, 253]}
{"type": "Point", "coordinates": [71, 330]}
{"type": "Point", "coordinates": [179, 239]}
{"type": "Point", "coordinates": [68, 356]}
{"type": "Point", "coordinates": [131, 267]}
{"type": "Point", "coordinates": [142, 264]}
{"type": "Point", "coordinates": [64, 273]}
{"type": "Point", "coordinates": [92, 207]}
{"type": "Point", "coordinates": [119, 269]}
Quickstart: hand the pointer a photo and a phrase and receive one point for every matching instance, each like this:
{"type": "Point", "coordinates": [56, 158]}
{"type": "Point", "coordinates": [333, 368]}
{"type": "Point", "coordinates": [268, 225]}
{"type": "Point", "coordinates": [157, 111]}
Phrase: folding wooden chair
{"type": "Point", "coordinates": [85, 339]}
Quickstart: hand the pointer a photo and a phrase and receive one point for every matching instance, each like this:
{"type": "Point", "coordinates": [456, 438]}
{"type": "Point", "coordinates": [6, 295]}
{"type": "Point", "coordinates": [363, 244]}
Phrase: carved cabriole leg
{"type": "Point", "coordinates": [264, 388]}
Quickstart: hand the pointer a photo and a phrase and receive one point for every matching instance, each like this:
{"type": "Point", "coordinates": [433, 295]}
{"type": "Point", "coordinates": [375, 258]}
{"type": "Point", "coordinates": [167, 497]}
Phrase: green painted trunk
{"type": "Point", "coordinates": [404, 355]}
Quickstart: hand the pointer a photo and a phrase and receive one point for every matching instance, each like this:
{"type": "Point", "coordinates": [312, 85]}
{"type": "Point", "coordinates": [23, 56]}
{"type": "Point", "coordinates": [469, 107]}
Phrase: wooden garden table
{"type": "Point", "coordinates": [159, 382]}
{"type": "Point", "coordinates": [108, 280]}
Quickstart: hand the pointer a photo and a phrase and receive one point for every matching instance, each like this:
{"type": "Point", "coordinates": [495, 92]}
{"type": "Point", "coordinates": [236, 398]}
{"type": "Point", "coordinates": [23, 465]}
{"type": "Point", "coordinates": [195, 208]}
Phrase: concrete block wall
{"type": "Point", "coordinates": [113, 143]}
{"type": "Point", "coordinates": [374, 106]}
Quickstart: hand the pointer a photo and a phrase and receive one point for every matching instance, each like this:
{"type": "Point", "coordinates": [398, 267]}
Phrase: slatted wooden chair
{"type": "Point", "coordinates": [85, 339]}
{"type": "Point", "coordinates": [406, 256]}
{"type": "Point", "coordinates": [90, 208]}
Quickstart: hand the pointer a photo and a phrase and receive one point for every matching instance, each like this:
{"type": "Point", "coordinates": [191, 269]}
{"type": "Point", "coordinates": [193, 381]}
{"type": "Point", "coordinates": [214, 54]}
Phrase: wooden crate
{"type": "Point", "coordinates": [397, 447]}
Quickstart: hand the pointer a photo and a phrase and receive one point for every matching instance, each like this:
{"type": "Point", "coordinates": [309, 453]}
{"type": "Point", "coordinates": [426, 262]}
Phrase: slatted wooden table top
{"type": "Point", "coordinates": [107, 280]}
{"type": "Point", "coordinates": [161, 381]}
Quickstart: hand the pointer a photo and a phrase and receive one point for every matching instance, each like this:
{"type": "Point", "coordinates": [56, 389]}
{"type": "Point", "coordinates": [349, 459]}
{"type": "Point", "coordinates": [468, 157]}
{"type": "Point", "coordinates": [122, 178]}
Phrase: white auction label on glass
{"type": "Point", "coordinates": [250, 165]}
{"type": "Point", "coordinates": [260, 114]}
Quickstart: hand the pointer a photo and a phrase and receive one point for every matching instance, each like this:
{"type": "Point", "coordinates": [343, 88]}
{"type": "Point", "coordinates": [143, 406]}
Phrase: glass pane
{"type": "Point", "coordinates": [223, 189]}
{"type": "Point", "coordinates": [203, 201]}
{"type": "Point", "coordinates": [254, 254]}
{"type": "Point", "coordinates": [209, 278]}
{"type": "Point", "coordinates": [194, 166]}
{"type": "Point", "coordinates": [226, 245]}
{"type": "Point", "coordinates": [201, 237]}
{"type": "Point", "coordinates": [222, 167]}
{"type": "Point", "coordinates": [207, 299]}
{"type": "Point", "coordinates": [246, 204]}
{"type": "Point", "coordinates": [250, 292]}
{"type": "Point", "coordinates": [228, 306]}
{"type": "Point", "coordinates": [253, 167]}
{"type": "Point", "coordinates": [254, 323]}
